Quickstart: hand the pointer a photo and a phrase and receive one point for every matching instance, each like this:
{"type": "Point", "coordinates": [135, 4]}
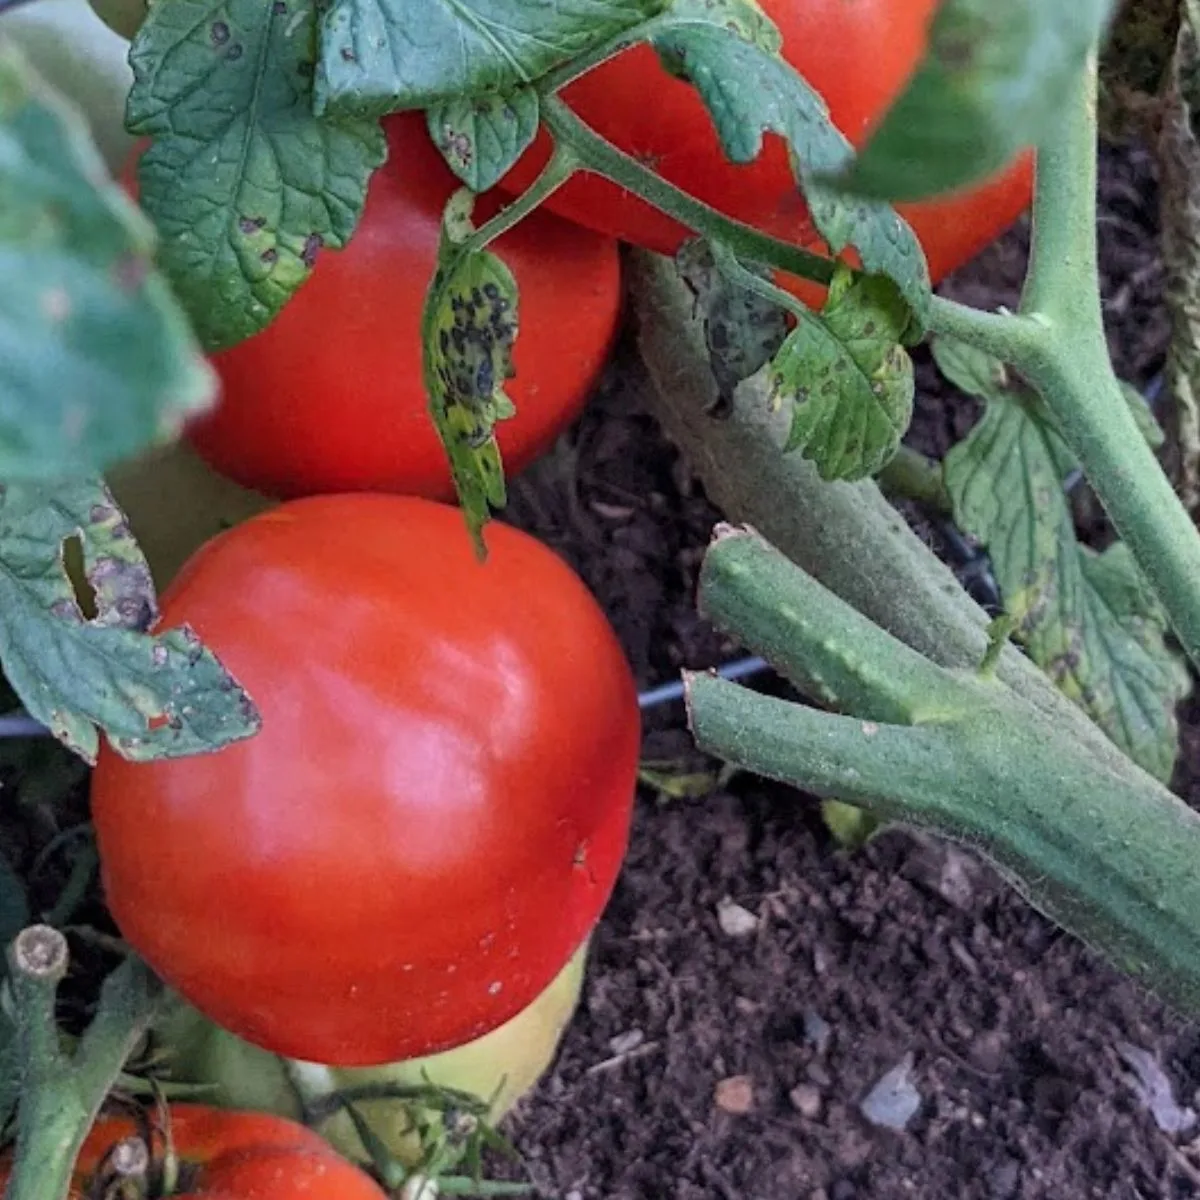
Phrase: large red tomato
{"type": "Point", "coordinates": [330, 396]}
{"type": "Point", "coordinates": [435, 812]}
{"type": "Point", "coordinates": [857, 53]}
{"type": "Point", "coordinates": [232, 1156]}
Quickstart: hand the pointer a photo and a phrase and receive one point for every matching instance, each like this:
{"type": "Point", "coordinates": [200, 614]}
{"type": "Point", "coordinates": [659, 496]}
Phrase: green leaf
{"type": "Point", "coordinates": [731, 57]}
{"type": "Point", "coordinates": [245, 185]}
{"type": "Point", "coordinates": [468, 328]}
{"type": "Point", "coordinates": [995, 75]}
{"type": "Point", "coordinates": [743, 331]}
{"type": "Point", "coordinates": [77, 290]}
{"type": "Point", "coordinates": [155, 697]}
{"type": "Point", "coordinates": [1089, 620]}
{"type": "Point", "coordinates": [381, 56]}
{"type": "Point", "coordinates": [482, 137]}
{"type": "Point", "coordinates": [848, 378]}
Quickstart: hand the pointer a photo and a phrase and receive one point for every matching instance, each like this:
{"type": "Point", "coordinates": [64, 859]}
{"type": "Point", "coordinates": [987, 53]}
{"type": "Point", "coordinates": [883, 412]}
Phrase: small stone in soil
{"type": "Point", "coordinates": [893, 1101]}
{"type": "Point", "coordinates": [735, 921]}
{"type": "Point", "coordinates": [817, 1031]}
{"type": "Point", "coordinates": [627, 1042]}
{"type": "Point", "coordinates": [735, 1095]}
{"type": "Point", "coordinates": [806, 1100]}
{"type": "Point", "coordinates": [818, 1074]}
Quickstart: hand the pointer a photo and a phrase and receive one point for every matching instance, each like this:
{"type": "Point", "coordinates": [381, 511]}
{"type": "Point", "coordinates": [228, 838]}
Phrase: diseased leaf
{"type": "Point", "coordinates": [77, 290]}
{"type": "Point", "coordinates": [482, 137]}
{"type": "Point", "coordinates": [468, 328]}
{"type": "Point", "coordinates": [743, 331]}
{"type": "Point", "coordinates": [245, 184]}
{"type": "Point", "coordinates": [380, 56]}
{"type": "Point", "coordinates": [1089, 620]}
{"type": "Point", "coordinates": [849, 380]}
{"type": "Point", "coordinates": [155, 696]}
{"type": "Point", "coordinates": [729, 52]}
{"type": "Point", "coordinates": [994, 77]}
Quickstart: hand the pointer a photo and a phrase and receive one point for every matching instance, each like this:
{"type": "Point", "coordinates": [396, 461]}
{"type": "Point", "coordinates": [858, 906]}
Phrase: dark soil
{"type": "Point", "coordinates": [709, 1065]}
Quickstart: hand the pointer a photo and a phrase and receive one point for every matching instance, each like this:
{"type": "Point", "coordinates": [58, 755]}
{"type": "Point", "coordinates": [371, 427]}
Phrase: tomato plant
{"type": "Point", "coordinates": [400, 869]}
{"type": "Point", "coordinates": [226, 1156]}
{"type": "Point", "coordinates": [435, 812]}
{"type": "Point", "coordinates": [857, 54]}
{"type": "Point", "coordinates": [330, 397]}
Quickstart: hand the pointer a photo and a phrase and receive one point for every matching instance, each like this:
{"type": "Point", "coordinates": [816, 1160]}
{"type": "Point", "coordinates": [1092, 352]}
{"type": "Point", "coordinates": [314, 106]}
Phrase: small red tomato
{"type": "Point", "coordinates": [330, 396]}
{"type": "Point", "coordinates": [435, 812]}
{"type": "Point", "coordinates": [230, 1156]}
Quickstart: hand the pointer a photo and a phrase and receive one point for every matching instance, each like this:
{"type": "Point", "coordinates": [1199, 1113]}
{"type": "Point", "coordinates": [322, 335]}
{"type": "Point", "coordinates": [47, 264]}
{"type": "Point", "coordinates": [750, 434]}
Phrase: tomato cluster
{"type": "Point", "coordinates": [858, 54]}
{"type": "Point", "coordinates": [330, 396]}
{"type": "Point", "coordinates": [410, 857]}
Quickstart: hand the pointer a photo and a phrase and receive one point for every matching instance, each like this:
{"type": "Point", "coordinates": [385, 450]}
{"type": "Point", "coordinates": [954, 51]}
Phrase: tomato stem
{"type": "Point", "coordinates": [562, 165]}
{"type": "Point", "coordinates": [729, 266]}
{"type": "Point", "coordinates": [1057, 343]}
{"type": "Point", "coordinates": [558, 79]}
{"type": "Point", "coordinates": [913, 476]}
{"type": "Point", "coordinates": [595, 153]}
{"type": "Point", "coordinates": [62, 1092]}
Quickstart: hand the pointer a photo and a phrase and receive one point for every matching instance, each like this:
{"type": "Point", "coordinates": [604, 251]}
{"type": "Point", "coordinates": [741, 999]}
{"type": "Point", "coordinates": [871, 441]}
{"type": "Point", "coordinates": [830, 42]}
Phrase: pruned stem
{"type": "Point", "coordinates": [62, 1093]}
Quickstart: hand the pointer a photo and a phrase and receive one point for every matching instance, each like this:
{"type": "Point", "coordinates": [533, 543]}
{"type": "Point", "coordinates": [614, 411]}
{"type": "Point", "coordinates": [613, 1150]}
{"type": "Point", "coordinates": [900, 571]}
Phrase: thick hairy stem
{"type": "Point", "coordinates": [61, 1094]}
{"type": "Point", "coordinates": [845, 535]}
{"type": "Point", "coordinates": [1110, 856]}
{"type": "Point", "coordinates": [1113, 863]}
{"type": "Point", "coordinates": [750, 588]}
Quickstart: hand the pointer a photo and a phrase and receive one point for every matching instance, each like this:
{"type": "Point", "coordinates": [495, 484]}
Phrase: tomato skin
{"type": "Point", "coordinates": [435, 812]}
{"type": "Point", "coordinates": [330, 396]}
{"type": "Point", "coordinates": [857, 54]}
{"type": "Point", "coordinates": [234, 1156]}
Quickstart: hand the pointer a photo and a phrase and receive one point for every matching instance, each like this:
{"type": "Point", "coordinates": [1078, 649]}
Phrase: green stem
{"type": "Point", "coordinates": [598, 155]}
{"type": "Point", "coordinates": [62, 1094]}
{"type": "Point", "coordinates": [727, 263]}
{"type": "Point", "coordinates": [1058, 344]}
{"type": "Point", "coordinates": [556, 80]}
{"type": "Point", "coordinates": [1063, 280]}
{"type": "Point", "coordinates": [562, 165]}
{"type": "Point", "coordinates": [846, 535]}
{"type": "Point", "coordinates": [1006, 336]}
{"type": "Point", "coordinates": [819, 641]}
{"type": "Point", "coordinates": [912, 476]}
{"type": "Point", "coordinates": [1112, 860]}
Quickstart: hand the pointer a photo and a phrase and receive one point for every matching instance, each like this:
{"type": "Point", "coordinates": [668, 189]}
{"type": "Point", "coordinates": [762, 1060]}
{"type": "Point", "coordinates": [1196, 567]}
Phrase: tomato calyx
{"type": "Point", "coordinates": [143, 1165]}
{"type": "Point", "coordinates": [451, 1126]}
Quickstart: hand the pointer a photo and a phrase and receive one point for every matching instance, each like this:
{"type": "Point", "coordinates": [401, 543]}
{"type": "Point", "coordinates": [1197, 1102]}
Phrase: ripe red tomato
{"type": "Point", "coordinates": [233, 1156]}
{"type": "Point", "coordinates": [435, 812]}
{"type": "Point", "coordinates": [857, 53]}
{"type": "Point", "coordinates": [329, 397]}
